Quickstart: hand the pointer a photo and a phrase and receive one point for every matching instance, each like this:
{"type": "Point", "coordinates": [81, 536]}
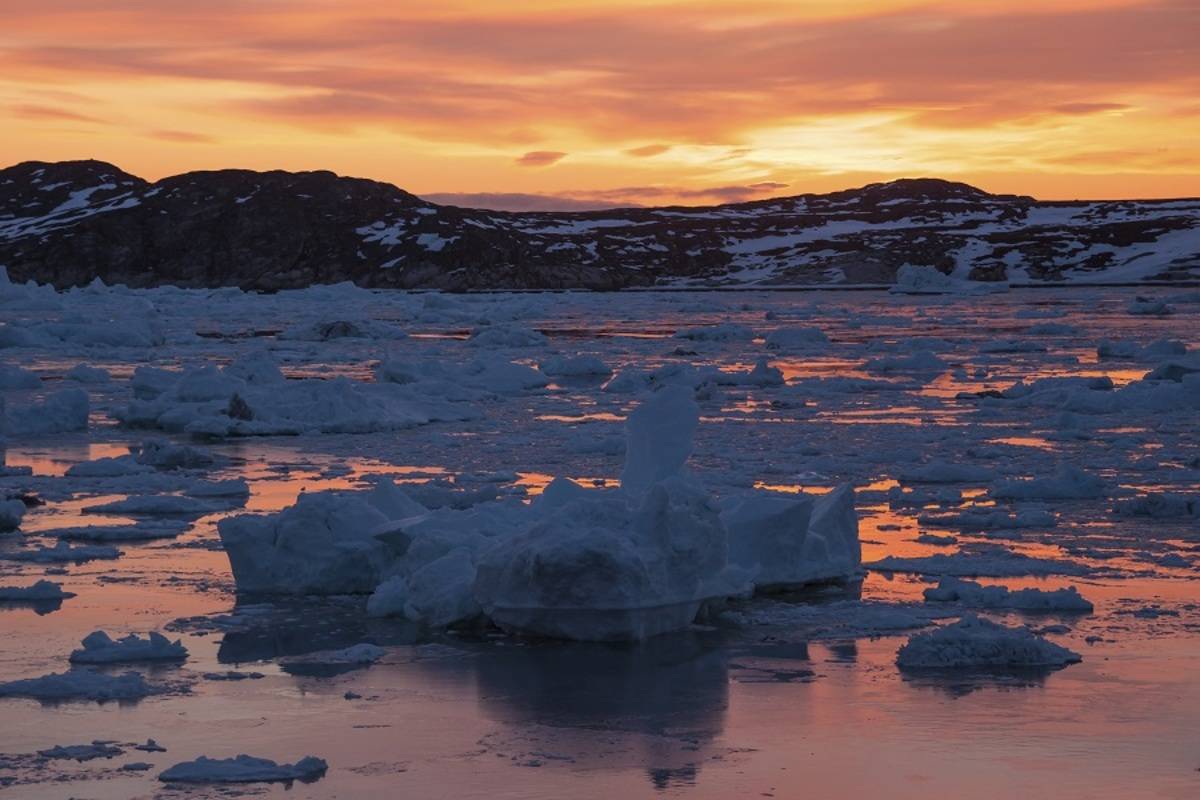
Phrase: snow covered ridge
{"type": "Point", "coordinates": [576, 563]}
{"type": "Point", "coordinates": [237, 227]}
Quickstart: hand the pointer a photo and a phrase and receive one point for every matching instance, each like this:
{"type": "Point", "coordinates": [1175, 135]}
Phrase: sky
{"type": "Point", "coordinates": [583, 103]}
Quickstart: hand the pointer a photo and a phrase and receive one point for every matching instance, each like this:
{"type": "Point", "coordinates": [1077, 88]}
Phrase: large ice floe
{"type": "Point", "coordinates": [577, 563]}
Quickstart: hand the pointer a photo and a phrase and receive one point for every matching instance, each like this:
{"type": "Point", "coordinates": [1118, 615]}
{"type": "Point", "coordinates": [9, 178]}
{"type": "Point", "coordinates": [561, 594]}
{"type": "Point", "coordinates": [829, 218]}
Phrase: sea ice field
{"type": "Point", "coordinates": [349, 543]}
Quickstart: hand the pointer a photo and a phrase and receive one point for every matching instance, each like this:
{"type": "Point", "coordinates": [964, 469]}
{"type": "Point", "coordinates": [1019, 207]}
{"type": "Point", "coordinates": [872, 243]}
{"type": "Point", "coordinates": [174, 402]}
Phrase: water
{"type": "Point", "coordinates": [781, 710]}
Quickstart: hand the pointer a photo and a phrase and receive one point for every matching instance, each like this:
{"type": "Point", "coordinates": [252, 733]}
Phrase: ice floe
{"type": "Point", "coordinates": [243, 769]}
{"type": "Point", "coordinates": [976, 643]}
{"type": "Point", "coordinates": [100, 648]}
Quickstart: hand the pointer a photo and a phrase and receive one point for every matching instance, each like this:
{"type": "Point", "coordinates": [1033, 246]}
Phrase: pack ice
{"type": "Point", "coordinates": [576, 563]}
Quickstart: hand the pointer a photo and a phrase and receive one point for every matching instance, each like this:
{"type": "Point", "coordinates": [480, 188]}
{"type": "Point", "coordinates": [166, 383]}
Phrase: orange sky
{"type": "Point", "coordinates": [642, 101]}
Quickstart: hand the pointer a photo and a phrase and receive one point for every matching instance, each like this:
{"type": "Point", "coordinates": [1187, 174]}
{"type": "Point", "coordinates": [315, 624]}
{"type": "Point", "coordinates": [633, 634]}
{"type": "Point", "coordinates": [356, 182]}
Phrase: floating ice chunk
{"type": "Point", "coordinates": [975, 595]}
{"type": "Point", "coordinates": [846, 619]}
{"type": "Point", "coordinates": [658, 438]}
{"type": "Point", "coordinates": [1067, 483]}
{"type": "Point", "coordinates": [62, 552]}
{"type": "Point", "coordinates": [250, 398]}
{"type": "Point", "coordinates": [99, 648]}
{"type": "Point", "coordinates": [165, 455]}
{"type": "Point", "coordinates": [82, 684]}
{"type": "Point", "coordinates": [1141, 306]}
{"type": "Point", "coordinates": [991, 519]}
{"type": "Point", "coordinates": [981, 561]}
{"type": "Point", "coordinates": [61, 412]}
{"type": "Point", "coordinates": [1123, 349]}
{"type": "Point", "coordinates": [160, 529]}
{"type": "Point", "coordinates": [944, 472]}
{"type": "Point", "coordinates": [243, 769]}
{"type": "Point", "coordinates": [11, 513]}
{"type": "Point", "coordinates": [42, 591]}
{"type": "Point", "coordinates": [974, 643]}
{"type": "Point", "coordinates": [108, 467]}
{"type": "Point", "coordinates": [506, 336]}
{"type": "Point", "coordinates": [359, 655]}
{"type": "Point", "coordinates": [82, 752]}
{"type": "Point", "coordinates": [788, 542]}
{"type": "Point", "coordinates": [342, 329]}
{"type": "Point", "coordinates": [12, 378]}
{"type": "Point", "coordinates": [796, 339]}
{"type": "Point", "coordinates": [923, 279]}
{"type": "Point", "coordinates": [154, 505]}
{"type": "Point", "coordinates": [920, 361]}
{"type": "Point", "coordinates": [574, 367]}
{"type": "Point", "coordinates": [762, 375]}
{"type": "Point", "coordinates": [724, 332]}
{"type": "Point", "coordinates": [82, 373]}
{"type": "Point", "coordinates": [1158, 505]}
{"type": "Point", "coordinates": [321, 545]}
{"type": "Point", "coordinates": [234, 487]}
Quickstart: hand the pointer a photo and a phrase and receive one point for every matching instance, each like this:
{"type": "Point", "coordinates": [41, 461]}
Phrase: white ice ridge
{"type": "Point", "coordinates": [587, 564]}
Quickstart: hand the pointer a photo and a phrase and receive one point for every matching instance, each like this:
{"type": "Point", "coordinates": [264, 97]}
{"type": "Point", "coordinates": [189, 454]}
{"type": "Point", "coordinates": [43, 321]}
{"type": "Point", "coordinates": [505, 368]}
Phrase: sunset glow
{"type": "Point", "coordinates": [625, 101]}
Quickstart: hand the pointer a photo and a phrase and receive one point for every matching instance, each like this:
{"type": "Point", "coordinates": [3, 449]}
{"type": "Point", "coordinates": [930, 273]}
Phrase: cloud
{"type": "Point", "coordinates": [646, 151]}
{"type": "Point", "coordinates": [540, 158]}
{"type": "Point", "coordinates": [516, 201]}
{"type": "Point", "coordinates": [36, 111]}
{"type": "Point", "coordinates": [1089, 108]}
{"type": "Point", "coordinates": [186, 137]}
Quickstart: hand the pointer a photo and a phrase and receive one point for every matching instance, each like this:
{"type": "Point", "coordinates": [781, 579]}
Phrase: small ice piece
{"type": "Point", "coordinates": [724, 332]}
{"type": "Point", "coordinates": [11, 513]}
{"type": "Point", "coordinates": [243, 769]}
{"type": "Point", "coordinates": [165, 455]}
{"type": "Point", "coordinates": [82, 752]}
{"type": "Point", "coordinates": [658, 437]}
{"type": "Point", "coordinates": [153, 505]}
{"type": "Point", "coordinates": [574, 367]}
{"type": "Point", "coordinates": [234, 487]}
{"type": "Point", "coordinates": [40, 592]}
{"type": "Point", "coordinates": [979, 561]}
{"type": "Point", "coordinates": [160, 529]}
{"type": "Point", "coordinates": [108, 467]}
{"type": "Point", "coordinates": [81, 684]}
{"type": "Point", "coordinates": [796, 339]}
{"type": "Point", "coordinates": [359, 655]}
{"type": "Point", "coordinates": [974, 643]}
{"type": "Point", "coordinates": [61, 412]}
{"type": "Point", "coordinates": [82, 373]}
{"type": "Point", "coordinates": [61, 553]}
{"type": "Point", "coordinates": [13, 378]}
{"type": "Point", "coordinates": [506, 336]}
{"type": "Point", "coordinates": [944, 472]}
{"type": "Point", "coordinates": [99, 648]}
{"type": "Point", "coordinates": [975, 595]}
{"type": "Point", "coordinates": [1067, 483]}
{"type": "Point", "coordinates": [1158, 505]}
{"type": "Point", "coordinates": [986, 518]}
{"type": "Point", "coordinates": [150, 746]}
{"type": "Point", "coordinates": [920, 361]}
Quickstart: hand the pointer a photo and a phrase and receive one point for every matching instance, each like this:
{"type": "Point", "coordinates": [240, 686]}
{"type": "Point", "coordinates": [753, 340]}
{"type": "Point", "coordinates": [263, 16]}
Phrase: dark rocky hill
{"type": "Point", "coordinates": [69, 222]}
